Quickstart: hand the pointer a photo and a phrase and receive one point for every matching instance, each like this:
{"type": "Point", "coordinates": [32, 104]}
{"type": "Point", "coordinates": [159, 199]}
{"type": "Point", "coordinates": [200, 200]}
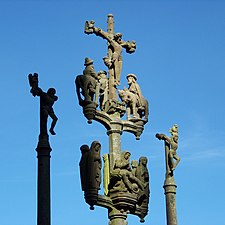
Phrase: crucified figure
{"type": "Point", "coordinates": [171, 145]}
{"type": "Point", "coordinates": [115, 45]}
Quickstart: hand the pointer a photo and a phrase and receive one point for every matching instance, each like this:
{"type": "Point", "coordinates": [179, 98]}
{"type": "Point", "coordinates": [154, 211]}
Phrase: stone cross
{"type": "Point", "coordinates": [113, 60]}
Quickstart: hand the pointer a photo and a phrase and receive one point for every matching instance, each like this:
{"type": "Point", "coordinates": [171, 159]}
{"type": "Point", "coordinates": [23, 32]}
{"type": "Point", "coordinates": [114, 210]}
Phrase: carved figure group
{"type": "Point", "coordinates": [125, 179]}
{"type": "Point", "coordinates": [47, 100]}
{"type": "Point", "coordinates": [90, 166]}
{"type": "Point", "coordinates": [135, 102]}
{"type": "Point", "coordinates": [114, 58]}
{"type": "Point", "coordinates": [92, 86]}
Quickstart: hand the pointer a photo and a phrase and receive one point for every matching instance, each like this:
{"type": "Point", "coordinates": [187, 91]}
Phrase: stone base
{"type": "Point", "coordinates": [89, 110]}
{"type": "Point", "coordinates": [91, 197]}
{"type": "Point", "coordinates": [124, 201]}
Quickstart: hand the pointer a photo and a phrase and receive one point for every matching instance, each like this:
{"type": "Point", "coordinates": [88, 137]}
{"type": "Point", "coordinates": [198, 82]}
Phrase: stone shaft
{"type": "Point", "coordinates": [170, 193]}
{"type": "Point", "coordinates": [43, 195]}
{"type": "Point", "coordinates": [110, 23]}
{"type": "Point", "coordinates": [112, 89]}
{"type": "Point", "coordinates": [117, 218]}
{"type": "Point", "coordinates": [114, 142]}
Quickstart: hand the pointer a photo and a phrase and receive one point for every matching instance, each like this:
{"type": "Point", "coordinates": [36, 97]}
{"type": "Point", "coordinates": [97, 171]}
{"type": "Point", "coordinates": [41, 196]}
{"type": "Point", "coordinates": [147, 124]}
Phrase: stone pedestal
{"type": "Point", "coordinates": [170, 193]}
{"type": "Point", "coordinates": [43, 195]}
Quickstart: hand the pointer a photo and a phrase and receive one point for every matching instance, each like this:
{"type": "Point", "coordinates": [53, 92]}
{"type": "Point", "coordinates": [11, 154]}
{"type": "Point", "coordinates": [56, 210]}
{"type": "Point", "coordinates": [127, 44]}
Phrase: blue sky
{"type": "Point", "coordinates": [180, 65]}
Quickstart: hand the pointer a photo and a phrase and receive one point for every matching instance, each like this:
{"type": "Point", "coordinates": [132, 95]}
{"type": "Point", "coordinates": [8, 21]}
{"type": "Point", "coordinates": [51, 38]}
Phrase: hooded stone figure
{"type": "Point", "coordinates": [94, 165]}
{"type": "Point", "coordinates": [142, 170]}
{"type": "Point", "coordinates": [143, 175]}
{"type": "Point", "coordinates": [83, 166]}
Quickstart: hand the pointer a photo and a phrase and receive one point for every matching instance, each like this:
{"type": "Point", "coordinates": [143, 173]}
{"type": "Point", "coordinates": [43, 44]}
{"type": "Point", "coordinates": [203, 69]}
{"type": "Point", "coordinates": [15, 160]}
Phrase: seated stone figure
{"type": "Point", "coordinates": [136, 104]}
{"type": "Point", "coordinates": [121, 178]}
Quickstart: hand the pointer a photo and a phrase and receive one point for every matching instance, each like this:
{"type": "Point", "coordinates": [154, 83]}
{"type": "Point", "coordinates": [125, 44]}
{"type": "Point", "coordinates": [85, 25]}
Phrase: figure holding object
{"type": "Point", "coordinates": [47, 99]}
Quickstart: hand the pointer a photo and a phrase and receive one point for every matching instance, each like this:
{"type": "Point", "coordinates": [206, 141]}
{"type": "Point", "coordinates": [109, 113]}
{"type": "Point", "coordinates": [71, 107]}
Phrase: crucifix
{"type": "Point", "coordinates": [113, 60]}
{"type": "Point", "coordinates": [171, 145]}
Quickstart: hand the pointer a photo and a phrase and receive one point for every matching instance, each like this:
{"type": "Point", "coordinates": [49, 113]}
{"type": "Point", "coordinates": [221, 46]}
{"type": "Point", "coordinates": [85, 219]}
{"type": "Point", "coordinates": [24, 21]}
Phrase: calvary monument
{"type": "Point", "coordinates": [126, 183]}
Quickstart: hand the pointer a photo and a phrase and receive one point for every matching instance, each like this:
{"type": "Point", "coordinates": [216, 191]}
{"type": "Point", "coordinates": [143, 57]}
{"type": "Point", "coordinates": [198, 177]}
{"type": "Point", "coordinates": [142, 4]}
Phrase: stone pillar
{"type": "Point", "coordinates": [114, 142]}
{"type": "Point", "coordinates": [170, 193]}
{"type": "Point", "coordinates": [117, 218]}
{"type": "Point", "coordinates": [43, 193]}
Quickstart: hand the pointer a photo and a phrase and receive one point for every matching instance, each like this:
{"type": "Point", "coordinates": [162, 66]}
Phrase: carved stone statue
{"type": "Point", "coordinates": [90, 172]}
{"type": "Point", "coordinates": [172, 143]}
{"type": "Point", "coordinates": [122, 178]}
{"type": "Point", "coordinates": [116, 44]}
{"type": "Point", "coordinates": [86, 83]}
{"type": "Point", "coordinates": [143, 174]}
{"type": "Point", "coordinates": [135, 102]}
{"type": "Point", "coordinates": [94, 165]}
{"type": "Point", "coordinates": [46, 104]}
{"type": "Point", "coordinates": [90, 166]}
{"type": "Point", "coordinates": [83, 166]}
{"type": "Point", "coordinates": [102, 89]}
{"type": "Point", "coordinates": [134, 165]}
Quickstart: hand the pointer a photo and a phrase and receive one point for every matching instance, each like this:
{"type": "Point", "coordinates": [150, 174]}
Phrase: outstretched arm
{"type": "Point", "coordinates": [163, 137]}
{"type": "Point", "coordinates": [33, 81]}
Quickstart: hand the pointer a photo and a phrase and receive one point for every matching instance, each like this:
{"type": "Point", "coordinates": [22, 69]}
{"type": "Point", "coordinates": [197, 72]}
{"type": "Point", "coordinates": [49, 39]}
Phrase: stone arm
{"type": "Point", "coordinates": [55, 98]}
{"type": "Point", "coordinates": [125, 165]}
{"type": "Point", "coordinates": [129, 46]}
{"type": "Point", "coordinates": [163, 137]}
{"type": "Point", "coordinates": [40, 92]}
{"type": "Point", "coordinates": [90, 28]}
{"type": "Point", "coordinates": [33, 82]}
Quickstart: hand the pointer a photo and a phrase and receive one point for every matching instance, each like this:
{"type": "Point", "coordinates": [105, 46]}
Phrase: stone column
{"type": "Point", "coordinates": [114, 141]}
{"type": "Point", "coordinates": [117, 218]}
{"type": "Point", "coordinates": [112, 88]}
{"type": "Point", "coordinates": [170, 193]}
{"type": "Point", "coordinates": [169, 183]}
{"type": "Point", "coordinates": [43, 193]}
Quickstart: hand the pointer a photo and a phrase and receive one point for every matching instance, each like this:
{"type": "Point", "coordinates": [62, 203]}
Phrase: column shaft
{"type": "Point", "coordinates": [43, 195]}
{"type": "Point", "coordinates": [170, 193]}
